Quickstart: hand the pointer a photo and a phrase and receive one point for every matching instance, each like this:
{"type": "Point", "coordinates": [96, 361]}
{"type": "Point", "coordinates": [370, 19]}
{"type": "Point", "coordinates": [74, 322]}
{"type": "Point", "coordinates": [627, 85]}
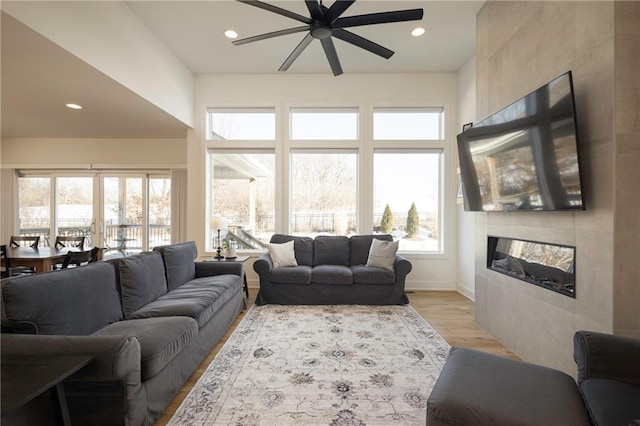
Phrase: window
{"type": "Point", "coordinates": [323, 193]}
{"type": "Point", "coordinates": [326, 177]}
{"type": "Point", "coordinates": [242, 190]}
{"type": "Point", "coordinates": [159, 211]}
{"type": "Point", "coordinates": [34, 199]}
{"type": "Point", "coordinates": [324, 123]}
{"type": "Point", "coordinates": [134, 210]}
{"type": "Point", "coordinates": [242, 123]}
{"type": "Point", "coordinates": [409, 184]}
{"type": "Point", "coordinates": [407, 123]}
{"type": "Point", "coordinates": [123, 213]}
{"type": "Point", "coordinates": [74, 207]}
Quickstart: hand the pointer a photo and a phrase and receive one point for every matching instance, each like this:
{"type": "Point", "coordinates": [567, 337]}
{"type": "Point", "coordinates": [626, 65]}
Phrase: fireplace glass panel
{"type": "Point", "coordinates": [546, 265]}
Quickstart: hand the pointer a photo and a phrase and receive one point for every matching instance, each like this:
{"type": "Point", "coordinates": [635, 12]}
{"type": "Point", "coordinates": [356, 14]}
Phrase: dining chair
{"type": "Point", "coordinates": [79, 258]}
{"type": "Point", "coordinates": [67, 241]}
{"type": "Point", "coordinates": [20, 240]}
{"type": "Point", "coordinates": [11, 271]}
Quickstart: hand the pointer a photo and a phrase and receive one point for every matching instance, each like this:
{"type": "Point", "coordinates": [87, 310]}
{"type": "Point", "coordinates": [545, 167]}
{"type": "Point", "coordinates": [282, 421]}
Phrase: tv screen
{"type": "Point", "coordinates": [525, 156]}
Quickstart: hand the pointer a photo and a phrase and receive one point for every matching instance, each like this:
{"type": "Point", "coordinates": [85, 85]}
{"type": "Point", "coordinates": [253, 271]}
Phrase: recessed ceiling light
{"type": "Point", "coordinates": [230, 34]}
{"type": "Point", "coordinates": [74, 106]}
{"type": "Point", "coordinates": [417, 32]}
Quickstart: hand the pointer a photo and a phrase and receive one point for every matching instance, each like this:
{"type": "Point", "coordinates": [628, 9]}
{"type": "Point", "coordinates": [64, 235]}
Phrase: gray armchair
{"type": "Point", "coordinates": [609, 377]}
{"type": "Point", "coordinates": [477, 388]}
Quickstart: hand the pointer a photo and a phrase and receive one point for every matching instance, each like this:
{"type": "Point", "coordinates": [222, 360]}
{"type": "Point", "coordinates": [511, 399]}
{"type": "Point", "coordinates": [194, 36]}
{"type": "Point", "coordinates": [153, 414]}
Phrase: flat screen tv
{"type": "Point", "coordinates": [525, 156]}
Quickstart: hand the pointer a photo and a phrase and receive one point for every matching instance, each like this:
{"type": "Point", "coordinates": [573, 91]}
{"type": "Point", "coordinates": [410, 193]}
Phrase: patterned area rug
{"type": "Point", "coordinates": [320, 365]}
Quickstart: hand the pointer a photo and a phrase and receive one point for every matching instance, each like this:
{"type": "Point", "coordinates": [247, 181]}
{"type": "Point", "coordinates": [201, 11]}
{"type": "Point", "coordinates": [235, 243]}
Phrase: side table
{"type": "Point", "coordinates": [240, 259]}
{"type": "Point", "coordinates": [24, 377]}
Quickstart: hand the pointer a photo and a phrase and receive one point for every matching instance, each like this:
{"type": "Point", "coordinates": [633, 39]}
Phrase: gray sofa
{"type": "Point", "coordinates": [148, 319]}
{"type": "Point", "coordinates": [477, 388]}
{"type": "Point", "coordinates": [331, 270]}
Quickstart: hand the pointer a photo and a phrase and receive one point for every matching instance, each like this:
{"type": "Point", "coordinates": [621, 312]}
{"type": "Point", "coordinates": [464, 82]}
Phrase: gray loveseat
{"type": "Point", "coordinates": [481, 389]}
{"type": "Point", "coordinates": [148, 319]}
{"type": "Point", "coordinates": [331, 270]}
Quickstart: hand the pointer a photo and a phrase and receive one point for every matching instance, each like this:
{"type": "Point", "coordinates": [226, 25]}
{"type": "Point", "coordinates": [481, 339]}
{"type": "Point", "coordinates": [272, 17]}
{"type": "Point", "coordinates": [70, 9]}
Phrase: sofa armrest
{"type": "Point", "coordinates": [263, 265]}
{"type": "Point", "coordinates": [605, 356]}
{"type": "Point", "coordinates": [115, 357]}
{"type": "Point", "coordinates": [208, 269]}
{"type": "Point", "coordinates": [401, 267]}
{"type": "Point", "coordinates": [117, 360]}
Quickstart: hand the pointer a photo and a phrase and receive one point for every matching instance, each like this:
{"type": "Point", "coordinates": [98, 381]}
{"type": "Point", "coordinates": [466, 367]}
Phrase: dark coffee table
{"type": "Point", "coordinates": [25, 377]}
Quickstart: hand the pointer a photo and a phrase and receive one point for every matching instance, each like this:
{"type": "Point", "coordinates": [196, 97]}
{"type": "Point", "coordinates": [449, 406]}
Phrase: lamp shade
{"type": "Point", "coordinates": [218, 222]}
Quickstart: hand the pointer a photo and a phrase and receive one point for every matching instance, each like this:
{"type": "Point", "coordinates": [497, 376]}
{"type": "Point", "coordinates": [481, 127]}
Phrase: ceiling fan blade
{"type": "Point", "coordinates": [379, 18]}
{"type": "Point", "coordinates": [337, 8]}
{"type": "Point", "coordinates": [314, 9]}
{"type": "Point", "coordinates": [276, 9]}
{"type": "Point", "coordinates": [270, 35]}
{"type": "Point", "coordinates": [332, 56]}
{"type": "Point", "coordinates": [296, 52]}
{"type": "Point", "coordinates": [362, 42]}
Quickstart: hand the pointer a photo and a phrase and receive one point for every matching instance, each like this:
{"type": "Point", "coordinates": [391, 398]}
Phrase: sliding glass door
{"type": "Point", "coordinates": [133, 211]}
{"type": "Point", "coordinates": [74, 209]}
{"type": "Point", "coordinates": [123, 213]}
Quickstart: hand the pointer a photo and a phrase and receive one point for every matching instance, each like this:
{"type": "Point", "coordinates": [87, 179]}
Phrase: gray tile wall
{"type": "Point", "coordinates": [521, 46]}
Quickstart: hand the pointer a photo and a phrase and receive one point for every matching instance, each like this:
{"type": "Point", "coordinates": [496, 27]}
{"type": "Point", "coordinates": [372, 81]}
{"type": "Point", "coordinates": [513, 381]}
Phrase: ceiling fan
{"type": "Point", "coordinates": [325, 23]}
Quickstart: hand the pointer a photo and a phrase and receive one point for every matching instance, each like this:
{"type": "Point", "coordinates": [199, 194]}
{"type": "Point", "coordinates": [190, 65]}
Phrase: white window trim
{"type": "Point", "coordinates": [283, 146]}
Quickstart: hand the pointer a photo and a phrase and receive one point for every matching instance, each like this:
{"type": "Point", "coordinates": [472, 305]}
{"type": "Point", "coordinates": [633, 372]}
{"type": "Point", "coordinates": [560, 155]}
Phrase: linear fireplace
{"type": "Point", "coordinates": [551, 266]}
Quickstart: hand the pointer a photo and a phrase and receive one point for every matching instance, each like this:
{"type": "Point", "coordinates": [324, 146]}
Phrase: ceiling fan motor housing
{"type": "Point", "coordinates": [320, 30]}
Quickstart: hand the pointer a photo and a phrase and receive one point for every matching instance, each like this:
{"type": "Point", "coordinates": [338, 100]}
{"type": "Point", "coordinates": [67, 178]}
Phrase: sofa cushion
{"type": "Point", "coordinates": [199, 299]}
{"type": "Point", "coordinates": [74, 302]}
{"type": "Point", "coordinates": [142, 280]}
{"type": "Point", "coordinates": [382, 254]}
{"type": "Point", "coordinates": [292, 275]}
{"type": "Point", "coordinates": [611, 402]}
{"type": "Point", "coordinates": [303, 247]}
{"type": "Point", "coordinates": [331, 274]}
{"type": "Point", "coordinates": [371, 275]}
{"type": "Point", "coordinates": [359, 247]}
{"type": "Point", "coordinates": [282, 255]}
{"type": "Point", "coordinates": [161, 339]}
{"type": "Point", "coordinates": [331, 250]}
{"type": "Point", "coordinates": [178, 262]}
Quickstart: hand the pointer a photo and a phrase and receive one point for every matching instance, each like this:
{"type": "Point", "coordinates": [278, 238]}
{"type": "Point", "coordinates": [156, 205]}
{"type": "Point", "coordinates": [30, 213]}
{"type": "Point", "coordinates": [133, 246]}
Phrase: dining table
{"type": "Point", "coordinates": [41, 258]}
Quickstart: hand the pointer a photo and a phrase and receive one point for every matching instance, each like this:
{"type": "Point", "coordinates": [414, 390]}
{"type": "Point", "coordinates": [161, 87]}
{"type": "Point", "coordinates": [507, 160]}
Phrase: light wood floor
{"type": "Point", "coordinates": [450, 313]}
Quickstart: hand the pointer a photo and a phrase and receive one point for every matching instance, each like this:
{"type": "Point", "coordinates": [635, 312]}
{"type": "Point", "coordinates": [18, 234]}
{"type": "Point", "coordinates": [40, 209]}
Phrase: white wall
{"type": "Point", "coordinates": [465, 273]}
{"type": "Point", "coordinates": [429, 272]}
{"type": "Point", "coordinates": [52, 153]}
{"type": "Point", "coordinates": [111, 38]}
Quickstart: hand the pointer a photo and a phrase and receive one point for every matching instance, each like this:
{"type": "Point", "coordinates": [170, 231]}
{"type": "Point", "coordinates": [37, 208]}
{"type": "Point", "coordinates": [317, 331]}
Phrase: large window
{"type": "Point", "coordinates": [407, 198]}
{"type": "Point", "coordinates": [242, 190]}
{"type": "Point", "coordinates": [334, 171]}
{"type": "Point", "coordinates": [323, 193]}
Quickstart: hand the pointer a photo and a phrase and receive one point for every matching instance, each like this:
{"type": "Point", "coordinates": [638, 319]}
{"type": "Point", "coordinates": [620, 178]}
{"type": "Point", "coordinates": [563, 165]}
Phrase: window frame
{"type": "Point", "coordinates": [365, 146]}
{"type": "Point", "coordinates": [98, 195]}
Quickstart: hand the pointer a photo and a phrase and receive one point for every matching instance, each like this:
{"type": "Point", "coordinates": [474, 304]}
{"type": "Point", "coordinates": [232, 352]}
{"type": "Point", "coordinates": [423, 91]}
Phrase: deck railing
{"type": "Point", "coordinates": [124, 238]}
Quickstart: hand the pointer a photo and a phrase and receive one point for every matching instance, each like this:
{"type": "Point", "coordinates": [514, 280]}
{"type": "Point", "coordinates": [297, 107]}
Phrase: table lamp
{"type": "Point", "coordinates": [218, 223]}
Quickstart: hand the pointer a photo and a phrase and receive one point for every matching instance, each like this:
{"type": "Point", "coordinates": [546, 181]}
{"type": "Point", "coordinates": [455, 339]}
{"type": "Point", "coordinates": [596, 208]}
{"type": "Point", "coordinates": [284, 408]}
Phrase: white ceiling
{"type": "Point", "coordinates": [193, 30]}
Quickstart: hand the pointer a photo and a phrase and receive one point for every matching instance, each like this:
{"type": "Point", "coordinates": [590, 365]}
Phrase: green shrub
{"type": "Point", "coordinates": [413, 221]}
{"type": "Point", "coordinates": [386, 224]}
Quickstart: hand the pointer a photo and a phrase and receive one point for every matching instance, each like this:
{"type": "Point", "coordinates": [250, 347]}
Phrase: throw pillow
{"type": "Point", "coordinates": [382, 254]}
{"type": "Point", "coordinates": [282, 254]}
